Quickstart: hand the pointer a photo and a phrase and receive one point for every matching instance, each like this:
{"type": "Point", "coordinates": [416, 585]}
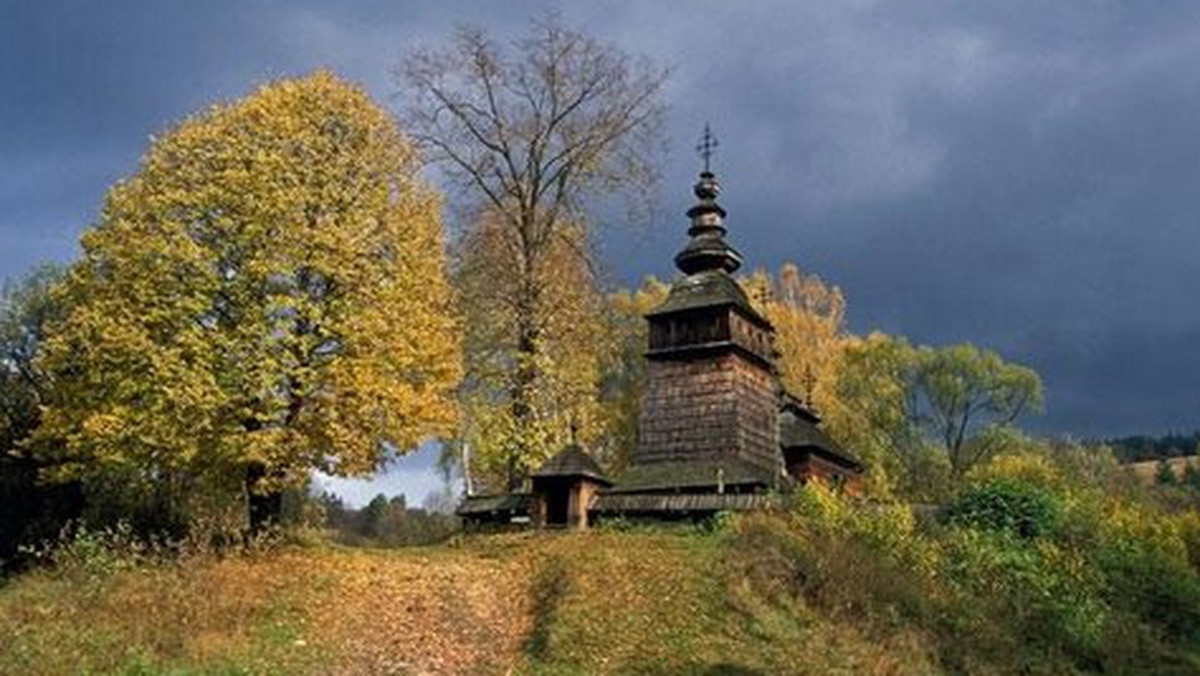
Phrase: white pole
{"type": "Point", "coordinates": [466, 463]}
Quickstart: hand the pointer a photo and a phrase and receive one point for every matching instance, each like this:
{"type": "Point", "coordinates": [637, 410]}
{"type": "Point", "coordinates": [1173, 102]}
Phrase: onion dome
{"type": "Point", "coordinates": [707, 249]}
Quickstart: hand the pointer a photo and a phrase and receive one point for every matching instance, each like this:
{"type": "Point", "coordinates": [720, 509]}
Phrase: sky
{"type": "Point", "coordinates": [1021, 175]}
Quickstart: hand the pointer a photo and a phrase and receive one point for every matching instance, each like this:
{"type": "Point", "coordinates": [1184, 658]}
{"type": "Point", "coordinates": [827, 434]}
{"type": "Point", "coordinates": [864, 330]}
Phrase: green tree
{"type": "Point", "coordinates": [534, 135]}
{"type": "Point", "coordinates": [265, 297]}
{"type": "Point", "coordinates": [1164, 474]}
{"type": "Point", "coordinates": [563, 399]}
{"type": "Point", "coordinates": [373, 519]}
{"type": "Point", "coordinates": [968, 394]}
{"type": "Point", "coordinates": [875, 389]}
{"type": "Point", "coordinates": [1191, 474]}
{"type": "Point", "coordinates": [27, 308]}
{"type": "Point", "coordinates": [928, 415]}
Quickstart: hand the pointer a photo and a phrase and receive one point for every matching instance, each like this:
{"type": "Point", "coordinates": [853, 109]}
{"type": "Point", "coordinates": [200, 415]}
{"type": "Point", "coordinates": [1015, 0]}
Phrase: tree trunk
{"type": "Point", "coordinates": [264, 506]}
{"type": "Point", "coordinates": [523, 382]}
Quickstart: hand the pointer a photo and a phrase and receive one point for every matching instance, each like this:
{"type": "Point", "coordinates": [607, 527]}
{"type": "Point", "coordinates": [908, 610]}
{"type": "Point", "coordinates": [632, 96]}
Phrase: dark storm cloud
{"type": "Point", "coordinates": [1022, 175]}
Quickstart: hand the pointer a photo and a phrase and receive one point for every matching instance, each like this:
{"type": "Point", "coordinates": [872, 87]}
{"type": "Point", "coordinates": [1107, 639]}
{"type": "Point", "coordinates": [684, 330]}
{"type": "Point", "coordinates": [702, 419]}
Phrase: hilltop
{"type": "Point", "coordinates": [557, 603]}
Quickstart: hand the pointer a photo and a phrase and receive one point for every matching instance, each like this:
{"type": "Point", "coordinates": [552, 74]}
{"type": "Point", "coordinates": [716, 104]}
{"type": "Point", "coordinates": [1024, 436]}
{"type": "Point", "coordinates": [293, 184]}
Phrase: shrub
{"type": "Point", "coordinates": [860, 561]}
{"type": "Point", "coordinates": [1189, 532]}
{"type": "Point", "coordinates": [889, 527]}
{"type": "Point", "coordinates": [1031, 573]}
{"type": "Point", "coordinates": [1032, 596]}
{"type": "Point", "coordinates": [90, 556]}
{"type": "Point", "coordinates": [1164, 475]}
{"type": "Point", "coordinates": [720, 522]}
{"type": "Point", "coordinates": [1029, 468]}
{"type": "Point", "coordinates": [1191, 475]}
{"type": "Point", "coordinates": [1152, 582]}
{"type": "Point", "coordinates": [1004, 504]}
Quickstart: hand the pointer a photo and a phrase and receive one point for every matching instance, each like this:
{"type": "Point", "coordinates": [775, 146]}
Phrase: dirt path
{"type": "Point", "coordinates": [399, 613]}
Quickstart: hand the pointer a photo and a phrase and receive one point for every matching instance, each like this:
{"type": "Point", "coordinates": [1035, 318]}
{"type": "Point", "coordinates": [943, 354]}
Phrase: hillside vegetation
{"type": "Point", "coordinates": [1019, 574]}
{"type": "Point", "coordinates": [601, 602]}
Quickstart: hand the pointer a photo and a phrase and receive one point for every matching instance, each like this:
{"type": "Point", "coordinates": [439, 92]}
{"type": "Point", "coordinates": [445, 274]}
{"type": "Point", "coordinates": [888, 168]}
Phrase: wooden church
{"type": "Point", "coordinates": [716, 431]}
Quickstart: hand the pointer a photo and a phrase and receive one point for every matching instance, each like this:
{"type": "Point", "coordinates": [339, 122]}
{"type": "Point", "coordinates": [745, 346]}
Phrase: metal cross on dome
{"type": "Point", "coordinates": [708, 143]}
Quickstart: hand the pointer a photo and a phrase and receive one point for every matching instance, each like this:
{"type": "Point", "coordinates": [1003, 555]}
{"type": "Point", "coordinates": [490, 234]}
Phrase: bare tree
{"type": "Point", "coordinates": [535, 132]}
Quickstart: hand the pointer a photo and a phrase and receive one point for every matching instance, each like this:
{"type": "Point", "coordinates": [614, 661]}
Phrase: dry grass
{"type": "Point", "coordinates": [587, 603]}
{"type": "Point", "coordinates": [1147, 471]}
{"type": "Point", "coordinates": [438, 610]}
{"type": "Point", "coordinates": [218, 613]}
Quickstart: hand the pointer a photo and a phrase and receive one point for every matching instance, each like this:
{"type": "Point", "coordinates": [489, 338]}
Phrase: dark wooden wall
{"type": "Point", "coordinates": [711, 406]}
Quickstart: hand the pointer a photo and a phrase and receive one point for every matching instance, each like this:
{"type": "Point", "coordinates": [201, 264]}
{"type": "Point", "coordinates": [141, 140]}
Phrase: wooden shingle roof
{"type": "Point", "coordinates": [706, 289]}
{"type": "Point", "coordinates": [515, 503]}
{"type": "Point", "coordinates": [572, 461]}
{"type": "Point", "coordinates": [798, 429]}
{"type": "Point", "coordinates": [692, 473]}
{"type": "Point", "coordinates": [622, 503]}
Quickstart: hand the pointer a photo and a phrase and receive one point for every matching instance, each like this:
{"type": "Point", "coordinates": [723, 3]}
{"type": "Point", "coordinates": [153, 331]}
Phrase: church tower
{"type": "Point", "coordinates": [709, 419]}
{"type": "Point", "coordinates": [716, 430]}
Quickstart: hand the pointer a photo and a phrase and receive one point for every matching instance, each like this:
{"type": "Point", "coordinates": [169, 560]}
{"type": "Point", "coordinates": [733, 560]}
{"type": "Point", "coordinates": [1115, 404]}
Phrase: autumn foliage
{"type": "Point", "coordinates": [271, 295]}
{"type": "Point", "coordinates": [266, 296]}
{"type": "Point", "coordinates": [525, 398]}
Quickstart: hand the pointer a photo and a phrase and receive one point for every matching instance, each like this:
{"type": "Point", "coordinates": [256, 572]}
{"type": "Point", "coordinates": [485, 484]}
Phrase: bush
{"type": "Point", "coordinates": [1189, 531]}
{"type": "Point", "coordinates": [861, 562]}
{"type": "Point", "coordinates": [1030, 575]}
{"type": "Point", "coordinates": [1027, 467]}
{"type": "Point", "coordinates": [720, 522]}
{"type": "Point", "coordinates": [1151, 582]}
{"type": "Point", "coordinates": [1010, 505]}
{"type": "Point", "coordinates": [31, 511]}
{"type": "Point", "coordinates": [1191, 475]}
{"type": "Point", "coordinates": [1021, 599]}
{"type": "Point", "coordinates": [91, 555]}
{"type": "Point", "coordinates": [1164, 474]}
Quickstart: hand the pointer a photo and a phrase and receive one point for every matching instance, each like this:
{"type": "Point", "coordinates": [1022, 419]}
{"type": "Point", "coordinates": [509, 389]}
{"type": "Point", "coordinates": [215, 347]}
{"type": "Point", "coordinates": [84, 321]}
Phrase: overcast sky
{"type": "Point", "coordinates": [1021, 175]}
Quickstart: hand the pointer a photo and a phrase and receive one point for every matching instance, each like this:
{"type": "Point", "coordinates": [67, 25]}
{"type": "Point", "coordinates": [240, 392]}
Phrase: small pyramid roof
{"type": "Point", "coordinates": [572, 461]}
{"type": "Point", "coordinates": [798, 428]}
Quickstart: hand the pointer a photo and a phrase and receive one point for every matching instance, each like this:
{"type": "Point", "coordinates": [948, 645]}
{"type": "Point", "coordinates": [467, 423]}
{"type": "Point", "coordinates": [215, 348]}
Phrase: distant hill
{"type": "Point", "coordinates": [1142, 448]}
{"type": "Point", "coordinates": [1147, 470]}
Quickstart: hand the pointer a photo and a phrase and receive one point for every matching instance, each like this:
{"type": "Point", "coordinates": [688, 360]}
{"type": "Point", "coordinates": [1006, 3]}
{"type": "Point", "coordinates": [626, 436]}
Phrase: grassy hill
{"type": "Point", "coordinates": [1147, 471]}
{"type": "Point", "coordinates": [1016, 576]}
{"type": "Point", "coordinates": [558, 603]}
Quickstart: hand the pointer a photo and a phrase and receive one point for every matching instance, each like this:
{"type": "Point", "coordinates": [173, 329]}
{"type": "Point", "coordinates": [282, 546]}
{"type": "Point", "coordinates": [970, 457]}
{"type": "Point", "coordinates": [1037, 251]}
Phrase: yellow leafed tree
{"type": "Point", "coordinates": [513, 425]}
{"type": "Point", "coordinates": [624, 378]}
{"type": "Point", "coordinates": [809, 319]}
{"type": "Point", "coordinates": [265, 297]}
{"type": "Point", "coordinates": [811, 341]}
